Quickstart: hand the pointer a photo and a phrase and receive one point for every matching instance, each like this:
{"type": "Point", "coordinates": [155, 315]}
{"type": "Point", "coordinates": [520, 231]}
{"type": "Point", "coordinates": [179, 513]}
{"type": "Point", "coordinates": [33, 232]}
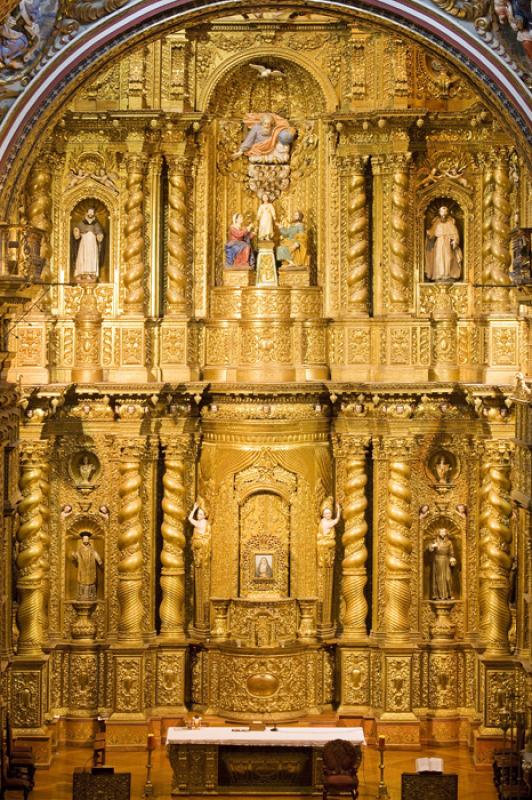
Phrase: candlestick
{"type": "Point", "coordinates": [148, 786]}
{"type": "Point", "coordinates": [382, 792]}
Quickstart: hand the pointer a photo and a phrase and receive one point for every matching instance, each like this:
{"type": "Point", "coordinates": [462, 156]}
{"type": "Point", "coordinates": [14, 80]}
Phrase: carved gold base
{"type": "Point", "coordinates": [87, 375]}
{"type": "Point", "coordinates": [235, 278]}
{"type": "Point", "coordinates": [484, 746]}
{"type": "Point", "coordinates": [126, 735]}
{"type": "Point", "coordinates": [41, 745]}
{"type": "Point", "coordinates": [400, 734]}
{"type": "Point", "coordinates": [76, 731]}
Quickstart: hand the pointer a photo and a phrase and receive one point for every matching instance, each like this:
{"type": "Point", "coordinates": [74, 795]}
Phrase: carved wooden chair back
{"type": "Point", "coordinates": [341, 760]}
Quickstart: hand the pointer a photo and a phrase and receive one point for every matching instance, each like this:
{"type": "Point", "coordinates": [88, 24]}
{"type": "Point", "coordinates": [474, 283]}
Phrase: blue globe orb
{"type": "Point", "coordinates": [286, 136]}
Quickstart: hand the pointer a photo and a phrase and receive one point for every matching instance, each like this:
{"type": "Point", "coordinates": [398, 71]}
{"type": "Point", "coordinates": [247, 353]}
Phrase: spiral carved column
{"type": "Point", "coordinates": [399, 268]}
{"type": "Point", "coordinates": [177, 236]}
{"type": "Point", "coordinates": [30, 553]}
{"type": "Point", "coordinates": [399, 518]}
{"type": "Point", "coordinates": [134, 234]}
{"type": "Point", "coordinates": [45, 541]}
{"type": "Point", "coordinates": [495, 549]}
{"type": "Point", "coordinates": [497, 226]}
{"type": "Point", "coordinates": [354, 574]}
{"type": "Point", "coordinates": [172, 608]}
{"type": "Point", "coordinates": [357, 233]}
{"type": "Point", "coordinates": [130, 545]}
{"type": "Point", "coordinates": [39, 210]}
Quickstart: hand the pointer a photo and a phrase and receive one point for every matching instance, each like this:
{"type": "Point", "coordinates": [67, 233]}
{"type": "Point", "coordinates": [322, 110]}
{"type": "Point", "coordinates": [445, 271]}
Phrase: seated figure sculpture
{"type": "Point", "coordinates": [239, 252]}
{"type": "Point", "coordinates": [293, 248]}
{"type": "Point", "coordinates": [268, 140]}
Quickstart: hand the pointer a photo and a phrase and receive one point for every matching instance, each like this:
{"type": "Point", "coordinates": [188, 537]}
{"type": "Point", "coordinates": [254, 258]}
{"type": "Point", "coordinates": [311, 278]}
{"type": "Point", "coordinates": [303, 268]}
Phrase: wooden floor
{"type": "Point", "coordinates": [56, 783]}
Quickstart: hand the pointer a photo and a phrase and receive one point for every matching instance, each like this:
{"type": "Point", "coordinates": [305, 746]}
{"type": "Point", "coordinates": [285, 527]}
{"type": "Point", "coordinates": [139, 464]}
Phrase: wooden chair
{"type": "Point", "coordinates": [433, 785]}
{"type": "Point", "coordinates": [341, 760]}
{"type": "Point", "coordinates": [18, 763]}
{"type": "Point", "coordinates": [13, 783]}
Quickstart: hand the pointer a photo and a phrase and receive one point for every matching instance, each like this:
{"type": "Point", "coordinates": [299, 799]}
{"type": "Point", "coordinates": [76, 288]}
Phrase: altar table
{"type": "Point", "coordinates": [239, 761]}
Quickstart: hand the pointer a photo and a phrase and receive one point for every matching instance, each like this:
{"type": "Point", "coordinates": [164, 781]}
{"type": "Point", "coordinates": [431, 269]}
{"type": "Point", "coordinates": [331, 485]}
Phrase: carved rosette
{"type": "Point", "coordinates": [134, 233]}
{"type": "Point", "coordinates": [495, 549]}
{"type": "Point", "coordinates": [399, 268]}
{"type": "Point", "coordinates": [30, 553]}
{"type": "Point", "coordinates": [497, 225]}
{"type": "Point", "coordinates": [177, 236]}
{"type": "Point", "coordinates": [130, 545]}
{"type": "Point", "coordinates": [354, 574]}
{"type": "Point", "coordinates": [45, 541]}
{"type": "Point", "coordinates": [357, 233]}
{"type": "Point", "coordinates": [39, 210]}
{"type": "Point", "coordinates": [399, 520]}
{"type": "Point", "coordinates": [172, 554]}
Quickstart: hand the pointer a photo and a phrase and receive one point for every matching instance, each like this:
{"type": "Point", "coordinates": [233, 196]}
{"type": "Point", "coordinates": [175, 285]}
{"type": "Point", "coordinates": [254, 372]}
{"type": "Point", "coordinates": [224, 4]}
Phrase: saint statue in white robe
{"type": "Point", "coordinates": [88, 248]}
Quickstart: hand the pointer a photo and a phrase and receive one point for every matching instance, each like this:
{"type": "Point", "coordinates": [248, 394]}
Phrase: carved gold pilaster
{"type": "Point", "coordinates": [354, 573]}
{"type": "Point", "coordinates": [497, 210]}
{"type": "Point", "coordinates": [30, 552]}
{"type": "Point", "coordinates": [39, 210]}
{"type": "Point", "coordinates": [495, 547]}
{"type": "Point", "coordinates": [130, 544]}
{"type": "Point", "coordinates": [172, 609]}
{"type": "Point", "coordinates": [134, 230]}
{"type": "Point", "coordinates": [398, 545]}
{"type": "Point", "coordinates": [177, 235]}
{"type": "Point", "coordinates": [357, 233]}
{"type": "Point", "coordinates": [45, 541]}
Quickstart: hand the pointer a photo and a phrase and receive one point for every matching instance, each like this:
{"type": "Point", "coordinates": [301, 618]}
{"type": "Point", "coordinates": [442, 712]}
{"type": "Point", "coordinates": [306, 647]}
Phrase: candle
{"type": "Point", "coordinates": [151, 741]}
{"type": "Point", "coordinates": [382, 742]}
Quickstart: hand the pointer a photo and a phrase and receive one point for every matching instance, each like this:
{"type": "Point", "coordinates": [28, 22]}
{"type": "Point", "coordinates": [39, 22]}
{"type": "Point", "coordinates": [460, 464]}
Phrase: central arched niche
{"type": "Point", "coordinates": [295, 94]}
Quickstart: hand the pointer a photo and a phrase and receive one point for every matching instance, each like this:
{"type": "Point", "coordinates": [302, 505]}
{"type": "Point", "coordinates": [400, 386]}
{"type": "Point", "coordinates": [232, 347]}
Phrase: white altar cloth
{"type": "Point", "coordinates": [287, 737]}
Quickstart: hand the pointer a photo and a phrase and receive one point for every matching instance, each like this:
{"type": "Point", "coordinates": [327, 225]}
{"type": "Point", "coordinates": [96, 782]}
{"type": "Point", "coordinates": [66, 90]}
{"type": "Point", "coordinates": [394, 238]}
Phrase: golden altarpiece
{"type": "Point", "coordinates": [353, 373]}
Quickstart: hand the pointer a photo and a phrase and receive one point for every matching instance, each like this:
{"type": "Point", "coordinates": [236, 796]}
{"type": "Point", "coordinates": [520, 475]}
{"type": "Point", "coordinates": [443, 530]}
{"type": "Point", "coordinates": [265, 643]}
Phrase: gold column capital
{"type": "Point", "coordinates": [349, 444]}
{"type": "Point", "coordinates": [352, 164]}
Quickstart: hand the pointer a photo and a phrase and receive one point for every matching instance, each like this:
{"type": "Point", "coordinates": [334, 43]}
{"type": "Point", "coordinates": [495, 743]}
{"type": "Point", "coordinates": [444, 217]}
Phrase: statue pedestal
{"type": "Point", "coordinates": [236, 278]}
{"type": "Point", "coordinates": [294, 277]}
{"type": "Point", "coordinates": [84, 628]}
{"type": "Point", "coordinates": [442, 628]}
{"type": "Point", "coordinates": [88, 327]}
{"type": "Point", "coordinates": [266, 269]}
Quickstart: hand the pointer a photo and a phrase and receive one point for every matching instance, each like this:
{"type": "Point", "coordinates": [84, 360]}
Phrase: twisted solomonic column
{"type": "Point", "coordinates": [495, 548]}
{"type": "Point", "coordinates": [45, 541]}
{"type": "Point", "coordinates": [30, 553]}
{"type": "Point", "coordinates": [497, 228]}
{"type": "Point", "coordinates": [172, 608]}
{"type": "Point", "coordinates": [399, 266]}
{"type": "Point", "coordinates": [357, 233]}
{"type": "Point", "coordinates": [177, 236]}
{"type": "Point", "coordinates": [39, 210]}
{"type": "Point", "coordinates": [399, 518]}
{"type": "Point", "coordinates": [130, 545]}
{"type": "Point", "coordinates": [134, 233]}
{"type": "Point", "coordinates": [354, 573]}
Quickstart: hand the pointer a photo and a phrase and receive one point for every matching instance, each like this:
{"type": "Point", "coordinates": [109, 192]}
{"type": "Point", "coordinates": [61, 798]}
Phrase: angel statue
{"type": "Point", "coordinates": [327, 531]}
{"type": "Point", "coordinates": [201, 553]}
